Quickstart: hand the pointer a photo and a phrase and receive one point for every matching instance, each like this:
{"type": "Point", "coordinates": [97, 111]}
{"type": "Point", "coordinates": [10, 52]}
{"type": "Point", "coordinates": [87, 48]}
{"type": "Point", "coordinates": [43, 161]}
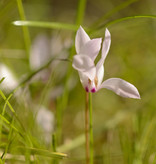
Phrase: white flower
{"type": "Point", "coordinates": [10, 82]}
{"type": "Point", "coordinates": [45, 118]}
{"type": "Point", "coordinates": [91, 75]}
{"type": "Point", "coordinates": [40, 52]}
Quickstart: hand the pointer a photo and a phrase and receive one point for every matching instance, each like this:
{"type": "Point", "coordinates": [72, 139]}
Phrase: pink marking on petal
{"type": "Point", "coordinates": [93, 90]}
{"type": "Point", "coordinates": [87, 90]}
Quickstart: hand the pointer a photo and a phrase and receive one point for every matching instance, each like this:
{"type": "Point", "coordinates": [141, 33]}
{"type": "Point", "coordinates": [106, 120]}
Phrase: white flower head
{"type": "Point", "coordinates": [40, 52]}
{"type": "Point", "coordinates": [45, 118]}
{"type": "Point", "coordinates": [91, 75]}
{"type": "Point", "coordinates": [10, 82]}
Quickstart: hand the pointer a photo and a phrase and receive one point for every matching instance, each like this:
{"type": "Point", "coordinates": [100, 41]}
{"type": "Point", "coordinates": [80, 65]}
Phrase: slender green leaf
{"type": "Point", "coordinates": [78, 141]}
{"type": "Point", "coordinates": [25, 29]}
{"type": "Point", "coordinates": [62, 102]}
{"type": "Point", "coordinates": [10, 106]}
{"type": "Point", "coordinates": [53, 25]}
{"type": "Point", "coordinates": [126, 18]}
{"type": "Point", "coordinates": [9, 123]}
{"type": "Point", "coordinates": [4, 98]}
{"type": "Point", "coordinates": [43, 152]}
{"type": "Point", "coordinates": [81, 11]}
{"type": "Point", "coordinates": [2, 80]}
{"type": "Point", "coordinates": [111, 12]}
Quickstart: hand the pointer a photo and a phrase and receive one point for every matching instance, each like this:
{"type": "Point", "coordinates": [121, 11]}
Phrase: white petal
{"type": "Point", "coordinates": [81, 39]}
{"type": "Point", "coordinates": [106, 44]}
{"type": "Point", "coordinates": [100, 75]}
{"type": "Point", "coordinates": [85, 65]}
{"type": "Point", "coordinates": [105, 48]}
{"type": "Point", "coordinates": [92, 48]}
{"type": "Point", "coordinates": [121, 88]}
{"type": "Point", "coordinates": [83, 79]}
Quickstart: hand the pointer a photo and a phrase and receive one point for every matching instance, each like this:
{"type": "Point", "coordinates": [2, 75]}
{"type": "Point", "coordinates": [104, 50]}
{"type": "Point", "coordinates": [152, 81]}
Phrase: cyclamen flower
{"type": "Point", "coordinates": [91, 75]}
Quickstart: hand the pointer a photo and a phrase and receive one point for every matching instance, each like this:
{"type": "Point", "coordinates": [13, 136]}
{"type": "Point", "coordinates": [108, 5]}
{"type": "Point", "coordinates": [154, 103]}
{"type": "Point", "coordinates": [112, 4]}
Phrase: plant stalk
{"type": "Point", "coordinates": [91, 130]}
{"type": "Point", "coordinates": [87, 127]}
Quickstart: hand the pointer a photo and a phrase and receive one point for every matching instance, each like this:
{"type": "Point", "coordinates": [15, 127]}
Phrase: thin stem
{"type": "Point", "coordinates": [25, 29]}
{"type": "Point", "coordinates": [63, 100]}
{"type": "Point", "coordinates": [91, 129]}
{"type": "Point", "coordinates": [87, 127]}
{"type": "Point", "coordinates": [81, 11]}
{"type": "Point", "coordinates": [3, 112]}
{"type": "Point", "coordinates": [54, 145]}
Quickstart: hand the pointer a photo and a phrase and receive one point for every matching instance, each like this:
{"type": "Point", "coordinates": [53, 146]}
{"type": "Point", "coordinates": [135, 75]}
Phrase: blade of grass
{"type": "Point", "coordinates": [12, 110]}
{"type": "Point", "coordinates": [52, 25]}
{"type": "Point", "coordinates": [124, 19]}
{"type": "Point", "coordinates": [2, 79]}
{"type": "Point", "coordinates": [25, 29]}
{"type": "Point", "coordinates": [43, 152]}
{"type": "Point", "coordinates": [3, 112]}
{"type": "Point", "coordinates": [6, 101]}
{"type": "Point", "coordinates": [81, 12]}
{"type": "Point", "coordinates": [54, 143]}
{"type": "Point", "coordinates": [78, 141]}
{"type": "Point", "coordinates": [9, 143]}
{"type": "Point", "coordinates": [12, 127]}
{"type": "Point", "coordinates": [128, 18]}
{"type": "Point", "coordinates": [9, 123]}
{"type": "Point", "coordinates": [63, 100]}
{"type": "Point", "coordinates": [20, 158]}
{"type": "Point", "coordinates": [146, 137]}
{"type": "Point", "coordinates": [4, 98]}
{"type": "Point", "coordinates": [111, 12]}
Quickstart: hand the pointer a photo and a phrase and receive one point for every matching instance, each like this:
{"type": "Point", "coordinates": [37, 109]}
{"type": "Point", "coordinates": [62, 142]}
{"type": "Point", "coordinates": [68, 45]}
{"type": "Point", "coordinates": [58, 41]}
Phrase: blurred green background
{"type": "Point", "coordinates": [124, 129]}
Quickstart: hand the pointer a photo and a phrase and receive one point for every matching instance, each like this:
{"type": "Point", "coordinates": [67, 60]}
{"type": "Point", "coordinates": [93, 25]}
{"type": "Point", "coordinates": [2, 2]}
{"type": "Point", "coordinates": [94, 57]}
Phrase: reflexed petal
{"type": "Point", "coordinates": [92, 48]}
{"type": "Point", "coordinates": [121, 88]}
{"type": "Point", "coordinates": [105, 48]}
{"type": "Point", "coordinates": [81, 39]}
{"type": "Point", "coordinates": [84, 64]}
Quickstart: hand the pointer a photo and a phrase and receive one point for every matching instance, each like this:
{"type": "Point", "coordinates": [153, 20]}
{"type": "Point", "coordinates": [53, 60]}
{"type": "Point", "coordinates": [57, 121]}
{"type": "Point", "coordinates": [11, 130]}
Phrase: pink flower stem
{"type": "Point", "coordinates": [91, 146]}
{"type": "Point", "coordinates": [87, 127]}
